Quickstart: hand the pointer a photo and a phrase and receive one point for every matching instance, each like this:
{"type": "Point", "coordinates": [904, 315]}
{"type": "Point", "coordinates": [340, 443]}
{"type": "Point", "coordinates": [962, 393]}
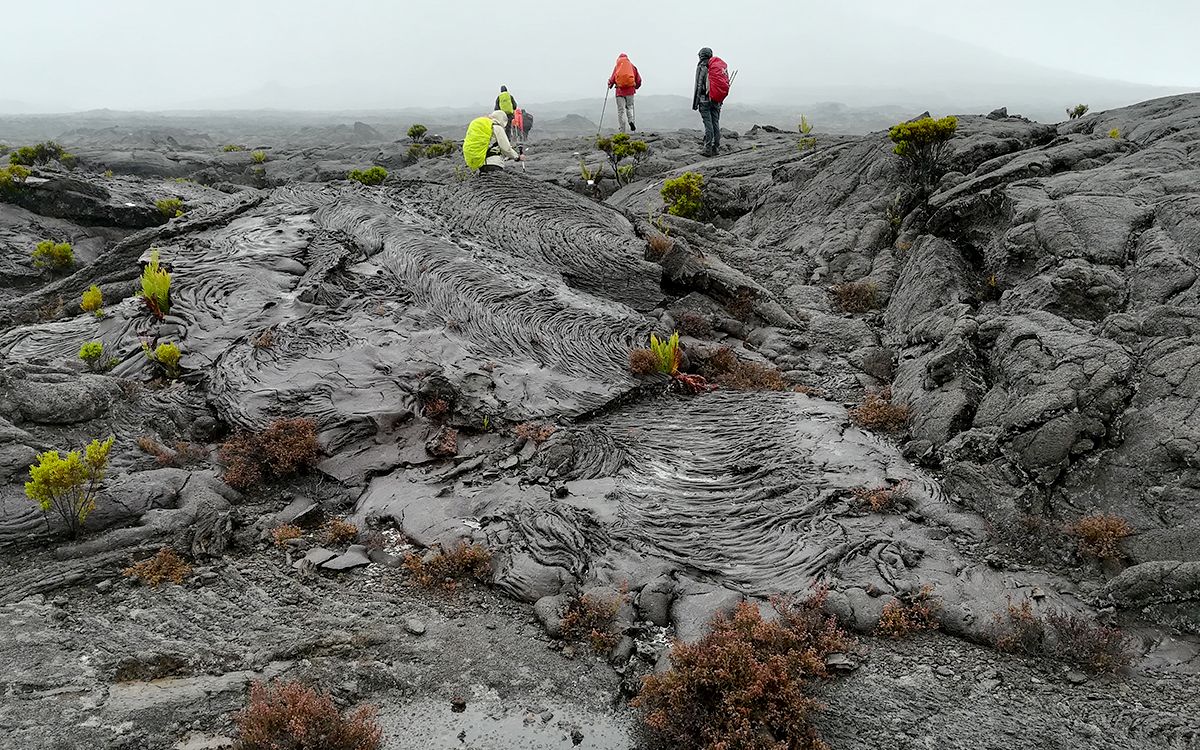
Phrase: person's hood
{"type": "Point", "coordinates": [622, 55]}
{"type": "Point", "coordinates": [504, 88]}
{"type": "Point", "coordinates": [705, 53]}
{"type": "Point", "coordinates": [499, 117]}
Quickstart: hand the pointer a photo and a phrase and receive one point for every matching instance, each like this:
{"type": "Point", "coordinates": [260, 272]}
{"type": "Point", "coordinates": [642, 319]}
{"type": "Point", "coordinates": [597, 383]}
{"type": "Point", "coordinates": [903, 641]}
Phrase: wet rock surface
{"type": "Point", "coordinates": [1038, 315]}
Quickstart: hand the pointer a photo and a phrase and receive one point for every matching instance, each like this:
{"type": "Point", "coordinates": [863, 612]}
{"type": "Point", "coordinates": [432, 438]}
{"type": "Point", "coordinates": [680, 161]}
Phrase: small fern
{"type": "Point", "coordinates": [156, 287]}
{"type": "Point", "coordinates": [667, 352]}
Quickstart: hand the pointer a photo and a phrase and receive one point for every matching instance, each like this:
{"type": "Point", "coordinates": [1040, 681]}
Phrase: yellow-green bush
{"type": "Point", "coordinates": [68, 484]}
{"type": "Point", "coordinates": [93, 301]}
{"type": "Point", "coordinates": [1114, 133]}
{"type": "Point", "coordinates": [372, 176]}
{"type": "Point", "coordinates": [667, 353]}
{"type": "Point", "coordinates": [684, 195]}
{"type": "Point", "coordinates": [923, 146]}
{"type": "Point", "coordinates": [169, 207]}
{"type": "Point", "coordinates": [417, 132]}
{"type": "Point", "coordinates": [166, 356]}
{"type": "Point", "coordinates": [258, 157]}
{"type": "Point", "coordinates": [805, 126]}
{"type": "Point", "coordinates": [619, 147]}
{"type": "Point", "coordinates": [13, 175]}
{"type": "Point", "coordinates": [42, 153]}
{"type": "Point", "coordinates": [230, 147]}
{"type": "Point", "coordinates": [53, 255]}
{"type": "Point", "coordinates": [1079, 110]}
{"type": "Point", "coordinates": [90, 353]}
{"type": "Point", "coordinates": [156, 287]}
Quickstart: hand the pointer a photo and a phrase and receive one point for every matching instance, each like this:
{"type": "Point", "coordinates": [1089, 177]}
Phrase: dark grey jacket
{"type": "Point", "coordinates": [700, 94]}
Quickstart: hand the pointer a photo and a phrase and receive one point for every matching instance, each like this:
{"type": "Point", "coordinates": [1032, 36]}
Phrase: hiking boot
{"type": "Point", "coordinates": [632, 127]}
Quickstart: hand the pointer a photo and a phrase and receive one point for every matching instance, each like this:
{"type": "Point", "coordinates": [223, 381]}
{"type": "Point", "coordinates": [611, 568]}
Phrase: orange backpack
{"type": "Point", "coordinates": [624, 75]}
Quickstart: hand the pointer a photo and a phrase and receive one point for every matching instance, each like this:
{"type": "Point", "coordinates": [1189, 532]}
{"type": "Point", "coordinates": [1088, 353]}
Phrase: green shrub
{"type": "Point", "coordinates": [108, 173]}
{"type": "Point", "coordinates": [1079, 110]}
{"type": "Point", "coordinates": [415, 151]}
{"type": "Point", "coordinates": [372, 176]}
{"type": "Point", "coordinates": [417, 132]}
{"type": "Point", "coordinates": [445, 148]}
{"type": "Point", "coordinates": [923, 146]}
{"type": "Point", "coordinates": [42, 153]}
{"type": "Point", "coordinates": [684, 195]}
{"type": "Point", "coordinates": [91, 353]}
{"type": "Point", "coordinates": [68, 485]}
{"type": "Point", "coordinates": [93, 301]}
{"type": "Point", "coordinates": [1114, 133]}
{"type": "Point", "coordinates": [13, 175]}
{"type": "Point", "coordinates": [620, 147]}
{"type": "Point", "coordinates": [625, 173]}
{"type": "Point", "coordinates": [156, 287]}
{"type": "Point", "coordinates": [166, 356]}
{"type": "Point", "coordinates": [169, 207]}
{"type": "Point", "coordinates": [258, 157]}
{"type": "Point", "coordinates": [807, 144]}
{"type": "Point", "coordinates": [232, 147]}
{"type": "Point", "coordinates": [805, 126]}
{"type": "Point", "coordinates": [55, 256]}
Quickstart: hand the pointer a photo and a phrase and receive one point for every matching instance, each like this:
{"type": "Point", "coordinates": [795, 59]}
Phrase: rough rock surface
{"type": "Point", "coordinates": [1038, 314]}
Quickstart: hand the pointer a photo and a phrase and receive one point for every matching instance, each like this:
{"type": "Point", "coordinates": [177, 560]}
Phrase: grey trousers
{"type": "Point", "coordinates": [625, 112]}
{"type": "Point", "coordinates": [710, 113]}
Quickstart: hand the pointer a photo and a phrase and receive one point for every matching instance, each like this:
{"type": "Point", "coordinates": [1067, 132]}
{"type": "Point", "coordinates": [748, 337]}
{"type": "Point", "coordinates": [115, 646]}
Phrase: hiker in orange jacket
{"type": "Point", "coordinates": [628, 80]}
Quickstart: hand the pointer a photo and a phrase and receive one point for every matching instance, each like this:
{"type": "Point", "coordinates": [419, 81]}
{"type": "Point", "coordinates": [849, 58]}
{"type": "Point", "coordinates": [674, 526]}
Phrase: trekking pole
{"type": "Point", "coordinates": [602, 112]}
{"type": "Point", "coordinates": [521, 152]}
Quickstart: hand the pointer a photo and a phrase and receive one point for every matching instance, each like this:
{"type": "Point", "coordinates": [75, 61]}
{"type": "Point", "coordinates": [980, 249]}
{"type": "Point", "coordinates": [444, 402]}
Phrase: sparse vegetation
{"type": "Point", "coordinates": [807, 144]}
{"type": "Point", "coordinates": [684, 195]}
{"type": "Point", "coordinates": [1100, 534]}
{"type": "Point", "coordinates": [693, 323]}
{"type": "Point", "coordinates": [1062, 636]}
{"type": "Point", "coordinates": [169, 207]}
{"type": "Point", "coordinates": [415, 151]}
{"type": "Point", "coordinates": [743, 685]}
{"type": "Point", "coordinates": [164, 566]}
{"type": "Point", "coordinates": [805, 126]}
{"type": "Point", "coordinates": [445, 148]}
{"type": "Point", "coordinates": [877, 412]}
{"type": "Point", "coordinates": [293, 716]}
{"type": "Point", "coordinates": [726, 369]}
{"type": "Point", "coordinates": [618, 148]}
{"type": "Point", "coordinates": [591, 618]}
{"type": "Point", "coordinates": [856, 296]}
{"type": "Point", "coordinates": [883, 499]}
{"type": "Point", "coordinates": [659, 245]}
{"type": "Point", "coordinates": [93, 301]}
{"type": "Point", "coordinates": [231, 147]}
{"type": "Point", "coordinates": [166, 356]}
{"type": "Point", "coordinates": [184, 453]}
{"type": "Point", "coordinates": [417, 132]}
{"type": "Point", "coordinates": [68, 485]}
{"type": "Point", "coordinates": [92, 354]}
{"type": "Point", "coordinates": [907, 614]}
{"type": "Point", "coordinates": [372, 176]}
{"type": "Point", "coordinates": [258, 157]}
{"type": "Point", "coordinates": [281, 535]}
{"type": "Point", "coordinates": [1079, 110]}
{"type": "Point", "coordinates": [12, 176]}
{"type": "Point", "coordinates": [923, 146]}
{"type": "Point", "coordinates": [42, 153]}
{"type": "Point", "coordinates": [339, 531]}
{"type": "Point", "coordinates": [1114, 133]}
{"type": "Point", "coordinates": [156, 287]}
{"type": "Point", "coordinates": [54, 256]}
{"type": "Point", "coordinates": [446, 569]}
{"type": "Point", "coordinates": [643, 362]}
{"type": "Point", "coordinates": [667, 353]}
{"type": "Point", "coordinates": [286, 448]}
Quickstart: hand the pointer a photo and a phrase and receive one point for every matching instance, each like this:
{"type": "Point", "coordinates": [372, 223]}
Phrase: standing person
{"type": "Point", "coordinates": [527, 119]}
{"type": "Point", "coordinates": [508, 105]}
{"type": "Point", "coordinates": [518, 124]}
{"type": "Point", "coordinates": [486, 145]}
{"type": "Point", "coordinates": [628, 80]}
{"type": "Point", "coordinates": [712, 86]}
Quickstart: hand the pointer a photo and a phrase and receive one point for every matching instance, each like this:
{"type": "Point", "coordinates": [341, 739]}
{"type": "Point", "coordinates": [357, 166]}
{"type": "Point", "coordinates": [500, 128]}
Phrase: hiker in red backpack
{"type": "Point", "coordinates": [518, 124]}
{"type": "Point", "coordinates": [628, 80]}
{"type": "Point", "coordinates": [712, 86]}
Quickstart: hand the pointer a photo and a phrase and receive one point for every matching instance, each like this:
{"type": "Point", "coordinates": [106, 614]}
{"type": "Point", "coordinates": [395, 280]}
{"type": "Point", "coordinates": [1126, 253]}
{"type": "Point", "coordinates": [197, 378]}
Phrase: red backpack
{"type": "Point", "coordinates": [718, 80]}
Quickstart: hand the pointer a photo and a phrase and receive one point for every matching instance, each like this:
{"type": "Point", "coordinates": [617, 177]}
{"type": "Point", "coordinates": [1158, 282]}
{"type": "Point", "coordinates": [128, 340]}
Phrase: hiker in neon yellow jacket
{"type": "Point", "coordinates": [507, 104]}
{"type": "Point", "coordinates": [486, 145]}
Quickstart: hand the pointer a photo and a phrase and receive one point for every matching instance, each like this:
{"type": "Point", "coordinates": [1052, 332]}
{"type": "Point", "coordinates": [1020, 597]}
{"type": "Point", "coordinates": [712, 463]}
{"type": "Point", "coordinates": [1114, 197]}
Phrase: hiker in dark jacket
{"type": "Point", "coordinates": [710, 111]}
{"type": "Point", "coordinates": [507, 104]}
{"type": "Point", "coordinates": [527, 124]}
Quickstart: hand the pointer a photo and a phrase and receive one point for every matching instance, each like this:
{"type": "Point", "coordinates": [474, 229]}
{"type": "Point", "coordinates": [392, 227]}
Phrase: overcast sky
{"type": "Point", "coordinates": [147, 54]}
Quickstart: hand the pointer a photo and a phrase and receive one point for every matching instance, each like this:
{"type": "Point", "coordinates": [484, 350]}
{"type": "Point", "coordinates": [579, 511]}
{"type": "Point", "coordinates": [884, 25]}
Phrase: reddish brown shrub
{"type": "Point", "coordinates": [693, 323]}
{"type": "Point", "coordinates": [855, 296]}
{"type": "Point", "coordinates": [883, 499]}
{"type": "Point", "coordinates": [724, 368]}
{"type": "Point", "coordinates": [910, 614]}
{"type": "Point", "coordinates": [264, 340]}
{"type": "Point", "coordinates": [436, 409]}
{"type": "Point", "coordinates": [164, 566]}
{"type": "Point", "coordinates": [537, 432]}
{"type": "Point", "coordinates": [444, 443]}
{"type": "Point", "coordinates": [743, 685]}
{"type": "Point", "coordinates": [877, 412]}
{"type": "Point", "coordinates": [643, 362]}
{"type": "Point", "coordinates": [183, 454]}
{"type": "Point", "coordinates": [339, 531]}
{"type": "Point", "coordinates": [1062, 636]}
{"type": "Point", "coordinates": [293, 716]}
{"type": "Point", "coordinates": [281, 535]}
{"type": "Point", "coordinates": [287, 447]}
{"type": "Point", "coordinates": [590, 618]}
{"type": "Point", "coordinates": [1100, 534]}
{"type": "Point", "coordinates": [445, 569]}
{"type": "Point", "coordinates": [658, 245]}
